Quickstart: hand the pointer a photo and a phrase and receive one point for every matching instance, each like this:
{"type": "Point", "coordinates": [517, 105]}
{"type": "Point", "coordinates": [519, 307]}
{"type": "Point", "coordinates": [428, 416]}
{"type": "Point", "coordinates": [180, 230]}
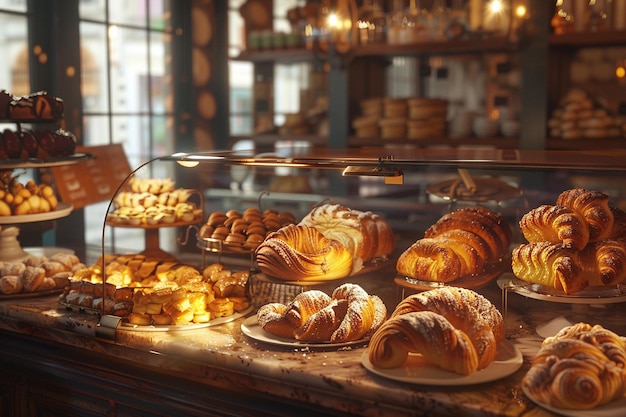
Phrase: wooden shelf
{"type": "Point", "coordinates": [586, 144]}
{"type": "Point", "coordinates": [444, 47]}
{"type": "Point", "coordinates": [588, 39]}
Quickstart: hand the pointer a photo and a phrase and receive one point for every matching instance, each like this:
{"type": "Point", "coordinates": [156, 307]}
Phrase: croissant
{"type": "Point", "coordinates": [593, 206]}
{"type": "Point", "coordinates": [550, 264]}
{"type": "Point", "coordinates": [555, 224]}
{"type": "Point", "coordinates": [427, 333]}
{"type": "Point", "coordinates": [619, 224]}
{"type": "Point", "coordinates": [467, 311]}
{"type": "Point", "coordinates": [605, 262]}
{"type": "Point", "coordinates": [364, 234]}
{"type": "Point", "coordinates": [302, 253]}
{"type": "Point", "coordinates": [359, 316]}
{"type": "Point", "coordinates": [439, 260]}
{"type": "Point", "coordinates": [487, 224]}
{"type": "Point", "coordinates": [462, 243]}
{"type": "Point", "coordinates": [573, 374]}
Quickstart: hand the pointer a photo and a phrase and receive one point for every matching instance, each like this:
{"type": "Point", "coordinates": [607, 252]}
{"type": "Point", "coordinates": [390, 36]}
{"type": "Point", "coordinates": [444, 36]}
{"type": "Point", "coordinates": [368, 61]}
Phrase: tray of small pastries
{"type": "Point", "coordinates": [154, 295]}
{"type": "Point", "coordinates": [237, 231]}
{"type": "Point", "coordinates": [154, 203]}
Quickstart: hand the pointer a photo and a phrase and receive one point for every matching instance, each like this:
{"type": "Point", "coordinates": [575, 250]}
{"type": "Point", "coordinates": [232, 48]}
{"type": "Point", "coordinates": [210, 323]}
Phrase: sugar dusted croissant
{"type": "Point", "coordinates": [593, 206]}
{"type": "Point", "coordinates": [427, 333]}
{"type": "Point", "coordinates": [487, 224]}
{"type": "Point", "coordinates": [550, 264]}
{"type": "Point", "coordinates": [467, 311]}
{"type": "Point", "coordinates": [571, 371]}
{"type": "Point", "coordinates": [304, 305]}
{"type": "Point", "coordinates": [555, 224]}
{"type": "Point", "coordinates": [462, 243]}
{"type": "Point", "coordinates": [605, 262]}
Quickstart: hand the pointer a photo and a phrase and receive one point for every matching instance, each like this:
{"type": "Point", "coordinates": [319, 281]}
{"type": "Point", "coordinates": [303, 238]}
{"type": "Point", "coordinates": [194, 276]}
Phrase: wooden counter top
{"type": "Point", "coordinates": [334, 381]}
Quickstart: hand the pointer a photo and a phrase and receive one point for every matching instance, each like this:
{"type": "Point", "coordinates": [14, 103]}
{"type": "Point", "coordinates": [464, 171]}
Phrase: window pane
{"type": "Point", "coordinates": [161, 72]}
{"type": "Point", "coordinates": [94, 64]}
{"type": "Point", "coordinates": [14, 5]}
{"type": "Point", "coordinates": [92, 9]}
{"type": "Point", "coordinates": [164, 141]}
{"type": "Point", "coordinates": [126, 12]}
{"type": "Point", "coordinates": [129, 70]}
{"type": "Point", "coordinates": [14, 75]}
{"type": "Point", "coordinates": [96, 130]}
{"type": "Point", "coordinates": [134, 132]}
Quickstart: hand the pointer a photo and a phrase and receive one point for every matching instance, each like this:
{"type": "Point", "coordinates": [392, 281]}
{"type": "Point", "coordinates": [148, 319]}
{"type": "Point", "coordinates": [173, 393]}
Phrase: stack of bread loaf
{"type": "Point", "coordinates": [332, 241]}
{"type": "Point", "coordinates": [181, 294]}
{"type": "Point", "coordinates": [17, 198]}
{"type": "Point", "coordinates": [366, 125]}
{"type": "Point", "coordinates": [578, 242]}
{"type": "Point", "coordinates": [349, 314]}
{"type": "Point", "coordinates": [37, 273]}
{"type": "Point", "coordinates": [153, 201]}
{"type": "Point", "coordinates": [464, 244]}
{"type": "Point", "coordinates": [580, 368]}
{"type": "Point", "coordinates": [245, 229]}
{"type": "Point", "coordinates": [453, 328]}
{"type": "Point", "coordinates": [579, 116]}
{"type": "Point", "coordinates": [426, 118]}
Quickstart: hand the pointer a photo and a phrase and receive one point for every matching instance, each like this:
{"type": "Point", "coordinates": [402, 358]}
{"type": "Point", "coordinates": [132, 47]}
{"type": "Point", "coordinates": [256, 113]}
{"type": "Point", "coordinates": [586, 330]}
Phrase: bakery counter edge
{"type": "Point", "coordinates": [222, 359]}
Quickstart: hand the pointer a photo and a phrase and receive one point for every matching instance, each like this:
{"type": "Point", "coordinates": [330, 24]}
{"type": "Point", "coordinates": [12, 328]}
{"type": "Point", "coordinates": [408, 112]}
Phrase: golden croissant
{"type": "Point", "coordinates": [427, 333]}
{"type": "Point", "coordinates": [593, 206]}
{"type": "Point", "coordinates": [555, 224]}
{"type": "Point", "coordinates": [467, 311]}
{"type": "Point", "coordinates": [462, 243]}
{"type": "Point", "coordinates": [302, 253]}
{"type": "Point", "coordinates": [605, 262]}
{"type": "Point", "coordinates": [550, 264]}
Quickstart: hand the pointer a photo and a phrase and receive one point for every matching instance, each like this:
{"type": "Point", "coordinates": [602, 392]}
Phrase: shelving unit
{"type": "Point", "coordinates": [541, 56]}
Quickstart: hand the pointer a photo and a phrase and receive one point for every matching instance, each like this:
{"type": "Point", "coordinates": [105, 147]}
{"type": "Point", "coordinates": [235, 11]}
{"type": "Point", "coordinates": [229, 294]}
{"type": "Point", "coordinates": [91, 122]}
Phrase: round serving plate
{"type": "Point", "coordinates": [416, 370]}
{"type": "Point", "coordinates": [251, 328]}
{"type": "Point", "coordinates": [62, 210]}
{"type": "Point", "coordinates": [590, 295]}
{"type": "Point", "coordinates": [39, 163]}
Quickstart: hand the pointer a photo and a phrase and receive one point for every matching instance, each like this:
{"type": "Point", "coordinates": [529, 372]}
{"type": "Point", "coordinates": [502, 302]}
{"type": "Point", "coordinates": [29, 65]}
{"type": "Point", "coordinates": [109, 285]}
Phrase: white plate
{"type": "Point", "coordinates": [173, 328]}
{"type": "Point", "coordinates": [612, 409]}
{"type": "Point", "coordinates": [418, 371]}
{"type": "Point", "coordinates": [590, 295]}
{"type": "Point", "coordinates": [62, 210]}
{"type": "Point", "coordinates": [251, 328]}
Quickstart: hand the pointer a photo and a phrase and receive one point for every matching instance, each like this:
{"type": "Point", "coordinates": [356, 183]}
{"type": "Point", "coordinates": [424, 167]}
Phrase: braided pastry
{"type": "Point", "coordinates": [427, 333]}
{"type": "Point", "coordinates": [573, 371]}
{"type": "Point", "coordinates": [463, 243]}
{"type": "Point", "coordinates": [550, 264]}
{"type": "Point", "coordinates": [593, 206]}
{"type": "Point", "coordinates": [555, 224]}
{"type": "Point", "coordinates": [300, 252]}
{"type": "Point", "coordinates": [312, 316]}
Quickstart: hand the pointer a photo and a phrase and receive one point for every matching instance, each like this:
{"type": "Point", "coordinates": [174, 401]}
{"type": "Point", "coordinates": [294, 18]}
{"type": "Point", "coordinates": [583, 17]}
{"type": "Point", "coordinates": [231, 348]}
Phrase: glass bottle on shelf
{"type": "Point", "coordinates": [562, 20]}
{"type": "Point", "coordinates": [378, 27]}
{"type": "Point", "coordinates": [364, 21]}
